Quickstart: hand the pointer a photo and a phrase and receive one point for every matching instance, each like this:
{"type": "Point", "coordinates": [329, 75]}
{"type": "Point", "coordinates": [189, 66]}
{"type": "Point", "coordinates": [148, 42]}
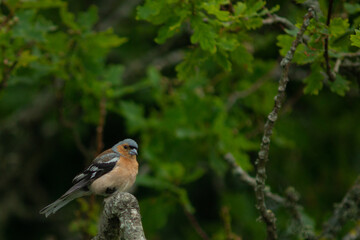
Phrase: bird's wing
{"type": "Point", "coordinates": [101, 165]}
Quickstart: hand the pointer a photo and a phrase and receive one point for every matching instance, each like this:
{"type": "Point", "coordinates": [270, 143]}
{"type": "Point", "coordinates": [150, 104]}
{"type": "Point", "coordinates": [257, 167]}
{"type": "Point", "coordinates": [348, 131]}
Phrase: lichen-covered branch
{"type": "Point", "coordinates": [266, 214]}
{"type": "Point", "coordinates": [290, 201]}
{"type": "Point", "coordinates": [277, 19]}
{"type": "Point", "coordinates": [291, 204]}
{"type": "Point", "coordinates": [246, 178]}
{"type": "Point", "coordinates": [121, 219]}
{"type": "Point", "coordinates": [348, 209]}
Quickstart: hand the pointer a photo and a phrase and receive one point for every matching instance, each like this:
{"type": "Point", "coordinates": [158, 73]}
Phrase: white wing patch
{"type": "Point", "coordinates": [94, 169]}
{"type": "Point", "coordinates": [113, 160]}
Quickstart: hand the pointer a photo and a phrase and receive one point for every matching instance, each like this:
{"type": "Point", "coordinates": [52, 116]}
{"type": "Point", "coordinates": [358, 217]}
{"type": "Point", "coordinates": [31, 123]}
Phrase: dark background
{"type": "Point", "coordinates": [66, 73]}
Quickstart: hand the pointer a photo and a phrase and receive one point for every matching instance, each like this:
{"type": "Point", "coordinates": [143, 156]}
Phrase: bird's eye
{"type": "Point", "coordinates": [126, 147]}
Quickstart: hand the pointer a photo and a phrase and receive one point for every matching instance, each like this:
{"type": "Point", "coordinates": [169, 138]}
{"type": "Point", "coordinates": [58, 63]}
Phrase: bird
{"type": "Point", "coordinates": [112, 170]}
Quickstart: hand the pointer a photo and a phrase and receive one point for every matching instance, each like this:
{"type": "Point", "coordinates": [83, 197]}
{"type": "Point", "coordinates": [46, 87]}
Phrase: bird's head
{"type": "Point", "coordinates": [127, 148]}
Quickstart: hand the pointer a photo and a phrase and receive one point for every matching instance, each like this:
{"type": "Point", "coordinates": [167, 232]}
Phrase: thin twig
{"type": "Point", "coordinates": [289, 202]}
{"type": "Point", "coordinates": [330, 74]}
{"type": "Point", "coordinates": [348, 209]}
{"type": "Point", "coordinates": [350, 55]}
{"type": "Point", "coordinates": [245, 177]}
{"type": "Point", "coordinates": [266, 214]}
{"type": "Point", "coordinates": [337, 65]}
{"type": "Point", "coordinates": [6, 75]}
{"type": "Point", "coordinates": [59, 85]}
{"type": "Point", "coordinates": [315, 5]}
{"type": "Point", "coordinates": [225, 215]}
{"type": "Point", "coordinates": [194, 222]}
{"type": "Point", "coordinates": [100, 127]}
{"type": "Point", "coordinates": [273, 18]}
{"type": "Point", "coordinates": [349, 64]}
{"type": "Point", "coordinates": [235, 96]}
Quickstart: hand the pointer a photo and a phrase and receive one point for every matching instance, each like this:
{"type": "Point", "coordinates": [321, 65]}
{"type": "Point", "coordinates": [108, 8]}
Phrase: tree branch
{"type": "Point", "coordinates": [289, 202]}
{"type": "Point", "coordinates": [330, 74]}
{"type": "Point", "coordinates": [121, 219]}
{"type": "Point", "coordinates": [194, 222]}
{"type": "Point", "coordinates": [100, 127]}
{"type": "Point", "coordinates": [348, 209]}
{"type": "Point", "coordinates": [246, 178]}
{"type": "Point", "coordinates": [6, 74]}
{"type": "Point", "coordinates": [267, 215]}
{"type": "Point", "coordinates": [235, 96]}
{"type": "Point", "coordinates": [350, 55]}
{"type": "Point", "coordinates": [273, 18]}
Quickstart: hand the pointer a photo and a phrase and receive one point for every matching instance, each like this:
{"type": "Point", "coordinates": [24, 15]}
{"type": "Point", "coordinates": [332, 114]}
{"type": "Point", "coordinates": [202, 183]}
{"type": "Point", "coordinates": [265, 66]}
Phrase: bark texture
{"type": "Point", "coordinates": [121, 219]}
{"type": "Point", "coordinates": [263, 155]}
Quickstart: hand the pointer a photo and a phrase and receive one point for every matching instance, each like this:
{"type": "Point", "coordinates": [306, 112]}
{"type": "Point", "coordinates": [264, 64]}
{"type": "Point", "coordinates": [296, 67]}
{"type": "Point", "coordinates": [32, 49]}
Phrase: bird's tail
{"type": "Point", "coordinates": [62, 201]}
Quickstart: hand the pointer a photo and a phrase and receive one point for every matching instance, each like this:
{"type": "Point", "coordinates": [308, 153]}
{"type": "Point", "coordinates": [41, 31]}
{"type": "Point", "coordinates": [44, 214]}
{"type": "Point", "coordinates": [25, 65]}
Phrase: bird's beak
{"type": "Point", "coordinates": [133, 152]}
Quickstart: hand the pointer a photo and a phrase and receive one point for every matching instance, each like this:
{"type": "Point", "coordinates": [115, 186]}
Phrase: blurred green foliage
{"type": "Point", "coordinates": [190, 81]}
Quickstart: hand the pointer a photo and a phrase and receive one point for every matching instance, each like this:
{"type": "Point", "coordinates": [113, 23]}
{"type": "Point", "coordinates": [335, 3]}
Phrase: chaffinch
{"type": "Point", "coordinates": [113, 170]}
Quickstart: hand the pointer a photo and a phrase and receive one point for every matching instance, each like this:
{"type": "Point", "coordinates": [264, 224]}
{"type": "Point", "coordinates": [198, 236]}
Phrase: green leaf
{"type": "Point", "coordinates": [340, 85]}
{"type": "Point", "coordinates": [68, 18]}
{"type": "Point", "coordinates": [239, 9]}
{"type": "Point", "coordinates": [274, 9]}
{"type": "Point", "coordinates": [304, 55]}
{"type": "Point", "coordinates": [87, 19]}
{"type": "Point", "coordinates": [168, 30]}
{"type": "Point", "coordinates": [29, 28]}
{"type": "Point", "coordinates": [242, 57]}
{"type": "Point", "coordinates": [151, 182]}
{"type": "Point", "coordinates": [253, 23]}
{"type": "Point", "coordinates": [193, 176]}
{"type": "Point", "coordinates": [352, 8]}
{"type": "Point", "coordinates": [292, 32]}
{"type": "Point", "coordinates": [314, 82]}
{"type": "Point", "coordinates": [134, 115]}
{"type": "Point", "coordinates": [338, 26]}
{"type": "Point", "coordinates": [355, 39]}
{"type": "Point", "coordinates": [42, 4]}
{"type": "Point", "coordinates": [157, 208]}
{"type": "Point", "coordinates": [213, 8]}
{"type": "Point", "coordinates": [25, 58]}
{"type": "Point", "coordinates": [12, 4]}
{"type": "Point", "coordinates": [108, 39]}
{"type": "Point", "coordinates": [204, 34]}
{"type": "Point", "coordinates": [190, 65]}
{"type": "Point", "coordinates": [57, 43]}
{"type": "Point", "coordinates": [222, 59]}
{"type": "Point", "coordinates": [228, 43]}
{"type": "Point", "coordinates": [97, 45]}
{"type": "Point", "coordinates": [172, 172]}
{"type": "Point", "coordinates": [284, 42]}
{"type": "Point", "coordinates": [113, 75]}
{"type": "Point", "coordinates": [149, 9]}
{"type": "Point", "coordinates": [154, 76]}
{"type": "Point", "coordinates": [252, 9]}
{"type": "Point", "coordinates": [188, 133]}
{"type": "Point", "coordinates": [159, 184]}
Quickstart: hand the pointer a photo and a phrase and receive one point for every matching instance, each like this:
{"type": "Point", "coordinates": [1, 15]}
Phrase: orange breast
{"type": "Point", "coordinates": [122, 177]}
